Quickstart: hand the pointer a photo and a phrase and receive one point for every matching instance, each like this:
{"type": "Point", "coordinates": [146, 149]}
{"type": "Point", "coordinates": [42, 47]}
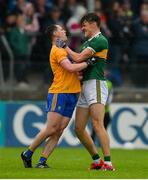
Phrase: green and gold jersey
{"type": "Point", "coordinates": [99, 45]}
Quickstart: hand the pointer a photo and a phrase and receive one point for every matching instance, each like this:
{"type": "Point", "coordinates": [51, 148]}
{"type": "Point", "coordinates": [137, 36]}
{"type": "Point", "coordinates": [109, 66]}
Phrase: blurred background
{"type": "Point", "coordinates": [25, 73]}
{"type": "Point", "coordinates": [24, 68]}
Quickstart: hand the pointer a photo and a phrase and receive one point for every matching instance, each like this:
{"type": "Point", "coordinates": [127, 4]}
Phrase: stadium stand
{"type": "Point", "coordinates": [123, 23]}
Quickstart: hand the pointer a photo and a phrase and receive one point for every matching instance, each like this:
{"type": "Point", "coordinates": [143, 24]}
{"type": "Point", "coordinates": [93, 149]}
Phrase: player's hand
{"type": "Point", "coordinates": [61, 43]}
{"type": "Point", "coordinates": [92, 61]}
{"type": "Point", "coordinates": [80, 75]}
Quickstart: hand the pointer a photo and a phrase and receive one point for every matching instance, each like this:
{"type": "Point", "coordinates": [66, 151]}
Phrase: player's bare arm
{"type": "Point", "coordinates": [79, 57]}
{"type": "Point", "coordinates": [66, 64]}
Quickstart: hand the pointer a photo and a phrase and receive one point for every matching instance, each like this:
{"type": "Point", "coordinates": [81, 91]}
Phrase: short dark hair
{"type": "Point", "coordinates": [50, 30]}
{"type": "Point", "coordinates": [91, 17]}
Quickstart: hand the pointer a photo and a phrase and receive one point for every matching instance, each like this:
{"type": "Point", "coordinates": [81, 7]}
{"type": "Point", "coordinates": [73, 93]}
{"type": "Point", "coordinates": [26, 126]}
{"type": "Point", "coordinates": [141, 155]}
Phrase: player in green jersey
{"type": "Point", "coordinates": [94, 92]}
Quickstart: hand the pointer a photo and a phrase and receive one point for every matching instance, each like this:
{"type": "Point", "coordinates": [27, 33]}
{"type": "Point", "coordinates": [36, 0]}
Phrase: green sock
{"type": "Point", "coordinates": [95, 157]}
{"type": "Point", "coordinates": [107, 158]}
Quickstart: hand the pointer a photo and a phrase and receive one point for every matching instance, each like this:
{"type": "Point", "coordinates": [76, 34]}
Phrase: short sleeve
{"type": "Point", "coordinates": [61, 54]}
{"type": "Point", "coordinates": [98, 45]}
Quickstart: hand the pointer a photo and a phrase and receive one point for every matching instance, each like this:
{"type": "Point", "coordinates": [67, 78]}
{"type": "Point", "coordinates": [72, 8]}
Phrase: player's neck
{"type": "Point", "coordinates": [54, 41]}
{"type": "Point", "coordinates": [95, 32]}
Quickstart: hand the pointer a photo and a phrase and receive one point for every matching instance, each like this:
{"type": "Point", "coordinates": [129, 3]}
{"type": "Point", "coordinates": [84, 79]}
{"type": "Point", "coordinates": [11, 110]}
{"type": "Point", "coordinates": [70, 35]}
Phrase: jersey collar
{"type": "Point", "coordinates": [94, 36]}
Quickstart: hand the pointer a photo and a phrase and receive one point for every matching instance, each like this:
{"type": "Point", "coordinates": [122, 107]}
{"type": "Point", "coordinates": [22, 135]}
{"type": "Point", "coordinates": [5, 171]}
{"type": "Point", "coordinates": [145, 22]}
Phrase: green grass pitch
{"type": "Point", "coordinates": [73, 163]}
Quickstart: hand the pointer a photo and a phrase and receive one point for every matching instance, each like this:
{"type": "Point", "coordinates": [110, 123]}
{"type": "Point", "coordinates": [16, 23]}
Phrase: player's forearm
{"type": "Point", "coordinates": [78, 67]}
{"type": "Point", "coordinates": [75, 56]}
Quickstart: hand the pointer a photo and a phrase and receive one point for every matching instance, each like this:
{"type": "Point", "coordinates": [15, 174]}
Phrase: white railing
{"type": "Point", "coordinates": [1, 72]}
{"type": "Point", "coordinates": [11, 66]}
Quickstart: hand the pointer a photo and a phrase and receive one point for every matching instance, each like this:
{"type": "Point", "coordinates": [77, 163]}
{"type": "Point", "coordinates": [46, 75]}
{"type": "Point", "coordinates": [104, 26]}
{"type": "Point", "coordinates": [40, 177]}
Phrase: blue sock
{"type": "Point", "coordinates": [42, 160]}
{"type": "Point", "coordinates": [28, 154]}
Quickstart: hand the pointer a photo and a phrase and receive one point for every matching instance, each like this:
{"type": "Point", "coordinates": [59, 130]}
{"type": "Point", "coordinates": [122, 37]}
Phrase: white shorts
{"type": "Point", "coordinates": [93, 91]}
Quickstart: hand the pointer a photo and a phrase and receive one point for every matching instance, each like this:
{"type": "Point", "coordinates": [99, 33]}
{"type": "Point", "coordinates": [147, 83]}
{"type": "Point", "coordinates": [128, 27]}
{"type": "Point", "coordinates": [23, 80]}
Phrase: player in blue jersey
{"type": "Point", "coordinates": [61, 100]}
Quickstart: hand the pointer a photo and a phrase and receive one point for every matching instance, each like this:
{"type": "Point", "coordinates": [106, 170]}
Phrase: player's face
{"type": "Point", "coordinates": [87, 29]}
{"type": "Point", "coordinates": [61, 33]}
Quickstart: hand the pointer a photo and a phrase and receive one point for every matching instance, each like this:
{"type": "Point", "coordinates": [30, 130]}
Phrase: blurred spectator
{"type": "Point", "coordinates": [40, 52]}
{"type": "Point", "coordinates": [32, 24]}
{"type": "Point", "coordinates": [98, 4]}
{"type": "Point", "coordinates": [117, 24]}
{"type": "Point", "coordinates": [20, 7]}
{"type": "Point", "coordinates": [74, 27]}
{"type": "Point", "coordinates": [107, 5]}
{"type": "Point", "coordinates": [104, 28]}
{"type": "Point", "coordinates": [126, 7]}
{"type": "Point", "coordinates": [63, 5]}
{"type": "Point", "coordinates": [144, 6]}
{"type": "Point", "coordinates": [49, 3]}
{"type": "Point", "coordinates": [127, 17]}
{"type": "Point", "coordinates": [54, 16]}
{"type": "Point", "coordinates": [10, 23]}
{"type": "Point", "coordinates": [19, 41]}
{"type": "Point", "coordinates": [41, 9]}
{"type": "Point", "coordinates": [140, 49]}
{"type": "Point", "coordinates": [114, 23]}
{"type": "Point", "coordinates": [60, 3]}
{"type": "Point", "coordinates": [41, 6]}
{"type": "Point", "coordinates": [71, 6]}
{"type": "Point", "coordinates": [116, 40]}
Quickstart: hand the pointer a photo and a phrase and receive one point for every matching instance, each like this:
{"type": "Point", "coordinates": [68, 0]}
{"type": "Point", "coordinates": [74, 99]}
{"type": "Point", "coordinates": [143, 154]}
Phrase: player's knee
{"type": "Point", "coordinates": [51, 131]}
{"type": "Point", "coordinates": [98, 125]}
{"type": "Point", "coordinates": [78, 130]}
{"type": "Point", "coordinates": [62, 128]}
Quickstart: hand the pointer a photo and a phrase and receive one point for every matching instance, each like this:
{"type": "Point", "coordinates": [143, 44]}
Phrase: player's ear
{"type": "Point", "coordinates": [55, 33]}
